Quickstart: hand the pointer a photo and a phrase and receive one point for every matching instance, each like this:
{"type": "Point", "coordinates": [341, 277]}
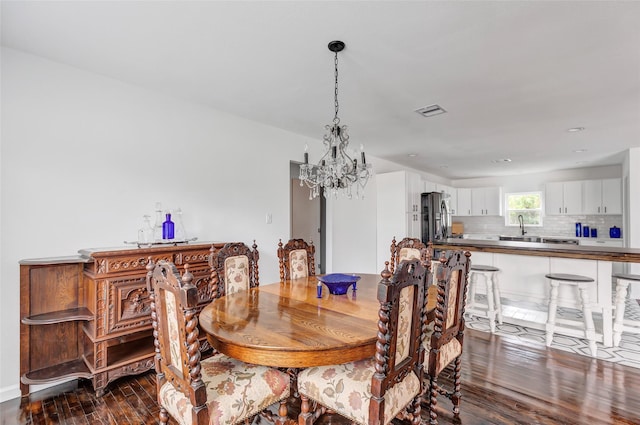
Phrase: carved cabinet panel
{"type": "Point", "coordinates": [98, 306]}
{"type": "Point", "coordinates": [129, 305]}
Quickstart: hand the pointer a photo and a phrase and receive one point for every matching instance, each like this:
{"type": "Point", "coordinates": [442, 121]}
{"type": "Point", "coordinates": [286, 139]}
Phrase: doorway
{"type": "Point", "coordinates": [308, 216]}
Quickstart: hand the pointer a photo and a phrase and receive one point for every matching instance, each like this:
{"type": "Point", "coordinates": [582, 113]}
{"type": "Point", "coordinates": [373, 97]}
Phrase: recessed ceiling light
{"type": "Point", "coordinates": [444, 166]}
{"type": "Point", "coordinates": [581, 162]}
{"type": "Point", "coordinates": [497, 161]}
{"type": "Point", "coordinates": [575, 129]}
{"type": "Point", "coordinates": [579, 150]}
{"type": "Point", "coordinates": [412, 155]}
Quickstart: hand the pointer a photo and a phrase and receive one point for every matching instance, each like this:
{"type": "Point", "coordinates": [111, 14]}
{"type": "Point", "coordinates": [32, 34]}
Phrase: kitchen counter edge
{"type": "Point", "coordinates": [604, 253]}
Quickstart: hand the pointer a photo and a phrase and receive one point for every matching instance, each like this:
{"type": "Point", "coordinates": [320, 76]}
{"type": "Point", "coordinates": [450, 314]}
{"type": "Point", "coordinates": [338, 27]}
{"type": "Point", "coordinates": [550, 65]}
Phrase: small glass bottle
{"type": "Point", "coordinates": [157, 228]}
{"type": "Point", "coordinates": [180, 233]}
{"type": "Point", "coordinates": [145, 234]}
{"type": "Point", "coordinates": [168, 228]}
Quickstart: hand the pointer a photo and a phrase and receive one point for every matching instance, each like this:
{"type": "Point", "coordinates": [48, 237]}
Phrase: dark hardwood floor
{"type": "Point", "coordinates": [504, 382]}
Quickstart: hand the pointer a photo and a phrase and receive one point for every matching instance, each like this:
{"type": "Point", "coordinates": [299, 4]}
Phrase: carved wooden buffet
{"type": "Point", "coordinates": [88, 316]}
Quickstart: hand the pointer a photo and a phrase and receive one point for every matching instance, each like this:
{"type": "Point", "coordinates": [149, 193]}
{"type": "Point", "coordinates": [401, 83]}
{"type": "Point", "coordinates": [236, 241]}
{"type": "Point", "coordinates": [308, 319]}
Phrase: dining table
{"type": "Point", "coordinates": [286, 325]}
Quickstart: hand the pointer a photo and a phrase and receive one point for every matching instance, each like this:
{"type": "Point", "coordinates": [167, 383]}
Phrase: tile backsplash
{"type": "Point", "coordinates": [561, 226]}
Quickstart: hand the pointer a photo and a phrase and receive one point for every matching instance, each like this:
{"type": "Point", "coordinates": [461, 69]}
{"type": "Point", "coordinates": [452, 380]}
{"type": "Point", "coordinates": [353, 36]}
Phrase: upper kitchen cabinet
{"type": "Point", "coordinates": [563, 198]}
{"type": "Point", "coordinates": [464, 202]}
{"type": "Point", "coordinates": [486, 201]}
{"type": "Point", "coordinates": [453, 197]}
{"type": "Point", "coordinates": [430, 187]}
{"type": "Point", "coordinates": [602, 196]}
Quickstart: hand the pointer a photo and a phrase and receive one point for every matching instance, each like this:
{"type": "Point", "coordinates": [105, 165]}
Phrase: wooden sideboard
{"type": "Point", "coordinates": [88, 316]}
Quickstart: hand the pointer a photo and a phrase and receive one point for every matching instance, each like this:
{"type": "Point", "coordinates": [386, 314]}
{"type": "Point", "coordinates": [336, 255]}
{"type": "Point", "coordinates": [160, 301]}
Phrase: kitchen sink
{"type": "Point", "coordinates": [521, 238]}
{"type": "Point", "coordinates": [539, 239]}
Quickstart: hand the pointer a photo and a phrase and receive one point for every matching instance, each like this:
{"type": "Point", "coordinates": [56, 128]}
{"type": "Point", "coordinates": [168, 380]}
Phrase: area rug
{"type": "Point", "coordinates": [628, 353]}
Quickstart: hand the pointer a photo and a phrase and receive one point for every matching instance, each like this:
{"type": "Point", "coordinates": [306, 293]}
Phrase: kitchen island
{"type": "Point", "coordinates": [523, 266]}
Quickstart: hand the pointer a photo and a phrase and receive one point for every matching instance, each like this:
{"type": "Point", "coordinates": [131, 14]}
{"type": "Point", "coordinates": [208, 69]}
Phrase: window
{"type": "Point", "coordinates": [527, 204]}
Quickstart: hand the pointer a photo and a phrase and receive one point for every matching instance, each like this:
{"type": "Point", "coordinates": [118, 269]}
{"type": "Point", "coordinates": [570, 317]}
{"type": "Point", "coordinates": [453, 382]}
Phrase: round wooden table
{"type": "Point", "coordinates": [285, 324]}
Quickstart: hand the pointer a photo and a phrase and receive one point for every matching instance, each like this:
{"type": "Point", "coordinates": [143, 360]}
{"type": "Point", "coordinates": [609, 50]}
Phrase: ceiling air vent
{"type": "Point", "coordinates": [431, 110]}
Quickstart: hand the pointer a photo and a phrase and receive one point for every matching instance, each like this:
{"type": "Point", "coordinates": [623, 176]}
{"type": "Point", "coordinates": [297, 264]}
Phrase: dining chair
{"type": "Point", "coordinates": [390, 384]}
{"type": "Point", "coordinates": [217, 390]}
{"type": "Point", "coordinates": [407, 249]}
{"type": "Point", "coordinates": [444, 340]}
{"type": "Point", "coordinates": [297, 259]}
{"type": "Point", "coordinates": [234, 267]}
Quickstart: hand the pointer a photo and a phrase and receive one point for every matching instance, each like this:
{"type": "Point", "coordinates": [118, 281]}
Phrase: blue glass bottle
{"type": "Point", "coordinates": [168, 228]}
{"type": "Point", "coordinates": [578, 229]}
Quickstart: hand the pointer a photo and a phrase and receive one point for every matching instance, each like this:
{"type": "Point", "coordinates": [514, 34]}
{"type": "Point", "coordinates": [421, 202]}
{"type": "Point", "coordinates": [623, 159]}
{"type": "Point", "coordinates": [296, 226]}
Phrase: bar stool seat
{"type": "Point", "coordinates": [493, 309]}
{"type": "Point", "coordinates": [620, 324]}
{"type": "Point", "coordinates": [584, 284]}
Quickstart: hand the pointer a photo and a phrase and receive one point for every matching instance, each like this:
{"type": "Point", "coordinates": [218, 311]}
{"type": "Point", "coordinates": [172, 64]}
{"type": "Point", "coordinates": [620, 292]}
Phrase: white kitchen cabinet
{"type": "Point", "coordinates": [430, 187]}
{"type": "Point", "coordinates": [453, 198]}
{"type": "Point", "coordinates": [563, 198]}
{"type": "Point", "coordinates": [486, 201]}
{"type": "Point", "coordinates": [602, 196]}
{"type": "Point", "coordinates": [463, 202]}
{"type": "Point", "coordinates": [398, 209]}
{"type": "Point", "coordinates": [414, 187]}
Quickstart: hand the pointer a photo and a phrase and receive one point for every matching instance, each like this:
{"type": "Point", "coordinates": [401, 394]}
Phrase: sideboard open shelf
{"type": "Point", "coordinates": [88, 316]}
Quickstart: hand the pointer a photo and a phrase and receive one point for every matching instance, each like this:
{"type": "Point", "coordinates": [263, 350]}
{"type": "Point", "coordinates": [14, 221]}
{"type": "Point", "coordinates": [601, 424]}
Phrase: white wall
{"type": "Point", "coordinates": [84, 157]}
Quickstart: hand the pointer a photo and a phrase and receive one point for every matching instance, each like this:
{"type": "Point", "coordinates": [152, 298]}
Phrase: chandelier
{"type": "Point", "coordinates": [336, 172]}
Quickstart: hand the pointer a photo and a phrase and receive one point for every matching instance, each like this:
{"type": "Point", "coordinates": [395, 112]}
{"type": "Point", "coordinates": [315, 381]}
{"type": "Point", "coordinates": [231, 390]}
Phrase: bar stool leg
{"type": "Point", "coordinates": [496, 294]}
{"type": "Point", "coordinates": [491, 311]}
{"type": "Point", "coordinates": [553, 305]}
{"type": "Point", "coordinates": [471, 289]}
{"type": "Point", "coordinates": [590, 329]}
{"type": "Point", "coordinates": [622, 286]}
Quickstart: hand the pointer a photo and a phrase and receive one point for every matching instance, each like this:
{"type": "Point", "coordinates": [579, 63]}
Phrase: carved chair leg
{"type": "Point", "coordinates": [456, 395]}
{"type": "Point", "coordinates": [306, 416]}
{"type": "Point", "coordinates": [282, 413]}
{"type": "Point", "coordinates": [164, 416]}
{"type": "Point", "coordinates": [417, 410]}
{"type": "Point", "coordinates": [433, 402]}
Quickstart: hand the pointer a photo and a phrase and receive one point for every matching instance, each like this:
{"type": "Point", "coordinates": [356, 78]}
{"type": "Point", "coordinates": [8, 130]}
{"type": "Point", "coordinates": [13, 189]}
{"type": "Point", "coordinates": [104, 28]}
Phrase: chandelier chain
{"type": "Point", "coordinates": [335, 118]}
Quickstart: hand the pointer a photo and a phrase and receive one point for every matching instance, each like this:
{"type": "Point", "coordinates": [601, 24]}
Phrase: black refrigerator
{"type": "Point", "coordinates": [436, 216]}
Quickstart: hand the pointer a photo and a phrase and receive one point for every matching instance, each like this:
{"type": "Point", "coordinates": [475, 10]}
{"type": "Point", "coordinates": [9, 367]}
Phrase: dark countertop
{"type": "Point", "coordinates": [605, 253]}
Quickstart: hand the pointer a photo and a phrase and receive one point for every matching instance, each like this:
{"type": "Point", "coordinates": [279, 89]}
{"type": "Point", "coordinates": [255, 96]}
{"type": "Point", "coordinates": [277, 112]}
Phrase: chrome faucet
{"type": "Point", "coordinates": [521, 221]}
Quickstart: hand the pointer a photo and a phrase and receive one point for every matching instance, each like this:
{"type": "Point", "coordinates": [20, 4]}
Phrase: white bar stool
{"type": "Point", "coordinates": [493, 308]}
{"type": "Point", "coordinates": [584, 285]}
{"type": "Point", "coordinates": [619, 323]}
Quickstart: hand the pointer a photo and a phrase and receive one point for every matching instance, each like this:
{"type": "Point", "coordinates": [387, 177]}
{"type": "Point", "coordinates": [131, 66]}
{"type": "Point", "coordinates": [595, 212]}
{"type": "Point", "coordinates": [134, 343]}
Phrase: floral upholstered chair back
{"type": "Point", "coordinates": [174, 302]}
{"type": "Point", "coordinates": [451, 276]}
{"type": "Point", "coordinates": [444, 345]}
{"type": "Point", "coordinates": [390, 384]}
{"type": "Point", "coordinates": [234, 268]}
{"type": "Point", "coordinates": [215, 391]}
{"type": "Point", "coordinates": [297, 259]}
{"type": "Point", "coordinates": [408, 249]}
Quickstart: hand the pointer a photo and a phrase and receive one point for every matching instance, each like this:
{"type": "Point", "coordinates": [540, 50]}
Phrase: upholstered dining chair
{"type": "Point", "coordinates": [218, 390]}
{"type": "Point", "coordinates": [234, 267]}
{"type": "Point", "coordinates": [444, 341]}
{"type": "Point", "coordinates": [406, 249]}
{"type": "Point", "coordinates": [390, 384]}
{"type": "Point", "coordinates": [297, 259]}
